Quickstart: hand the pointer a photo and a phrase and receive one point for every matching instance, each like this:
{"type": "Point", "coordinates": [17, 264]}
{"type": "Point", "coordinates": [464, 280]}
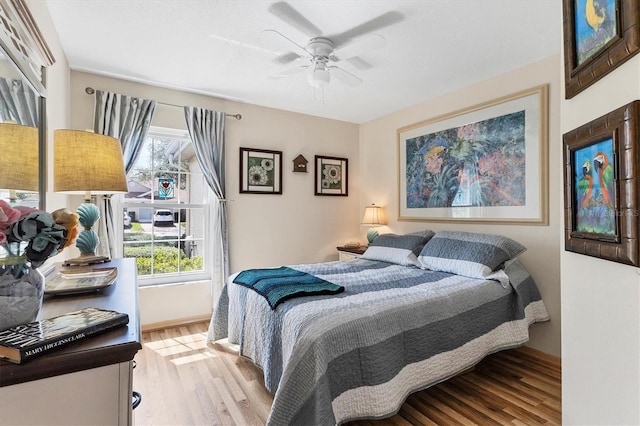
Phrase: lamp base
{"type": "Point", "coordinates": [372, 235]}
{"type": "Point", "coordinates": [85, 260]}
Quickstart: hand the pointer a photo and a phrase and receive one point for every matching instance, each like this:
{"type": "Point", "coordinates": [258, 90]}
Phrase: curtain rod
{"type": "Point", "coordinates": [91, 91]}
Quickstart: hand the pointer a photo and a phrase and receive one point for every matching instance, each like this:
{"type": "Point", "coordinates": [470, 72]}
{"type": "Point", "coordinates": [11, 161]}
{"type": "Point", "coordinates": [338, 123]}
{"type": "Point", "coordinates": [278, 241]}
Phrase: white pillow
{"type": "Point", "coordinates": [399, 249]}
{"type": "Point", "coordinates": [470, 254]}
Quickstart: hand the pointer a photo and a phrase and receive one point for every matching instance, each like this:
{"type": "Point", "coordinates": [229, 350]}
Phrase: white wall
{"type": "Point", "coordinates": [600, 299]}
{"type": "Point", "coordinates": [57, 108]}
{"type": "Point", "coordinates": [297, 226]}
{"type": "Point", "coordinates": [379, 164]}
{"type": "Point", "coordinates": [264, 230]}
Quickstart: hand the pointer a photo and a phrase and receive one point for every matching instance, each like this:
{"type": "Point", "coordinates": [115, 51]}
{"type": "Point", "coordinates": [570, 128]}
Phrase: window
{"type": "Point", "coordinates": [165, 213]}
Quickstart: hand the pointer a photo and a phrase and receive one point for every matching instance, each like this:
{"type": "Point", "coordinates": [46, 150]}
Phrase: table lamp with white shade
{"type": "Point", "coordinates": [87, 163]}
{"type": "Point", "coordinates": [373, 216]}
{"type": "Point", "coordinates": [18, 159]}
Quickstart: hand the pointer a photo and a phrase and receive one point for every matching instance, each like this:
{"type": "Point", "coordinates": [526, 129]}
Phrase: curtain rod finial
{"type": "Point", "coordinates": [89, 90]}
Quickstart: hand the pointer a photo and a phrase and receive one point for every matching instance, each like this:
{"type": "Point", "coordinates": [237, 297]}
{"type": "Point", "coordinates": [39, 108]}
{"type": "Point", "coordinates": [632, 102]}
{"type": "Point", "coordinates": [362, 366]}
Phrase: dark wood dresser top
{"type": "Point", "coordinates": [112, 347]}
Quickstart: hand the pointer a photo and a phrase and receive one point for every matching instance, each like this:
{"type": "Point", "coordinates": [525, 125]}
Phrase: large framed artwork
{"type": "Point", "coordinates": [601, 162]}
{"type": "Point", "coordinates": [599, 36]}
{"type": "Point", "coordinates": [260, 171]}
{"type": "Point", "coordinates": [331, 176]}
{"type": "Point", "coordinates": [485, 163]}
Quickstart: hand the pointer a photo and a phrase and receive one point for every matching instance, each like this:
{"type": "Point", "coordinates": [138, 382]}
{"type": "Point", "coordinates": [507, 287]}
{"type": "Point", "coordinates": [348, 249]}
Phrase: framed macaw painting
{"type": "Point", "coordinates": [599, 36]}
{"type": "Point", "coordinates": [601, 160]}
{"type": "Point", "coordinates": [593, 190]}
{"type": "Point", "coordinates": [485, 163]}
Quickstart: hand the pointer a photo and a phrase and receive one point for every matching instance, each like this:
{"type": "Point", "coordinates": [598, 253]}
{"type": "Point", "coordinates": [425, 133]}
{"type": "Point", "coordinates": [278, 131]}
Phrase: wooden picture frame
{"type": "Point", "coordinates": [331, 176]}
{"type": "Point", "coordinates": [260, 171]}
{"type": "Point", "coordinates": [486, 163]}
{"type": "Point", "coordinates": [597, 41]}
{"type": "Point", "coordinates": [601, 193]}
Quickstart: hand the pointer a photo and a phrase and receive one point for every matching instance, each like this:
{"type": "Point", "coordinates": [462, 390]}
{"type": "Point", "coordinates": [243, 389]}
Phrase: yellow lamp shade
{"type": "Point", "coordinates": [18, 157]}
{"type": "Point", "coordinates": [87, 162]}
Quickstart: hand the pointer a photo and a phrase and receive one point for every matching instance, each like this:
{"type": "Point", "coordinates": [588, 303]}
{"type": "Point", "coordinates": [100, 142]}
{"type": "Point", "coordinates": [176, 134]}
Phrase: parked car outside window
{"type": "Point", "coordinates": [163, 218]}
{"type": "Point", "coordinates": [126, 220]}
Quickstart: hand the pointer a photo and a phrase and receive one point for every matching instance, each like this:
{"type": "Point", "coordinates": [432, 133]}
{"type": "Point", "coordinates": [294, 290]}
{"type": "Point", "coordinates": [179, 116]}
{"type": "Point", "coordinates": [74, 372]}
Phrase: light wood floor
{"type": "Point", "coordinates": [185, 382]}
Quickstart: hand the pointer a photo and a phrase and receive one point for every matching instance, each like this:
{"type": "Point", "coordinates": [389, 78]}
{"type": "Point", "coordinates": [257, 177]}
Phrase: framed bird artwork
{"type": "Point", "coordinates": [599, 36]}
{"type": "Point", "coordinates": [601, 162]}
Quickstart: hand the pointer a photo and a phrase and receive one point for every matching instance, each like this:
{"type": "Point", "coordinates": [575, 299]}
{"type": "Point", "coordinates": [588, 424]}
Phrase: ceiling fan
{"type": "Point", "coordinates": [321, 52]}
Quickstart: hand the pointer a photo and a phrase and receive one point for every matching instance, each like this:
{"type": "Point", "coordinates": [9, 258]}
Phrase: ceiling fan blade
{"type": "Point", "coordinates": [301, 51]}
{"type": "Point", "coordinates": [360, 63]}
{"type": "Point", "coordinates": [297, 69]}
{"type": "Point", "coordinates": [288, 14]}
{"type": "Point", "coordinates": [384, 20]}
{"type": "Point", "coordinates": [239, 43]}
{"type": "Point", "coordinates": [286, 58]}
{"type": "Point", "coordinates": [358, 47]}
{"type": "Point", "coordinates": [344, 76]}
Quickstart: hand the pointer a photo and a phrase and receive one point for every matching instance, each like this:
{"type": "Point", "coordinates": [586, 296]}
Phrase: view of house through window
{"type": "Point", "coordinates": [164, 212]}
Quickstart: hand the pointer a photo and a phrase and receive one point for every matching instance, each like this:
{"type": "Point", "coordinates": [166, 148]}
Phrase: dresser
{"type": "Point", "coordinates": [87, 382]}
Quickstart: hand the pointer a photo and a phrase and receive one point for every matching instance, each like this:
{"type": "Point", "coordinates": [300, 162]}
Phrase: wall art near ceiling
{"type": "Point", "coordinates": [601, 162]}
{"type": "Point", "coordinates": [260, 171]}
{"type": "Point", "coordinates": [332, 176]}
{"type": "Point", "coordinates": [485, 163]}
{"type": "Point", "coordinates": [599, 36]}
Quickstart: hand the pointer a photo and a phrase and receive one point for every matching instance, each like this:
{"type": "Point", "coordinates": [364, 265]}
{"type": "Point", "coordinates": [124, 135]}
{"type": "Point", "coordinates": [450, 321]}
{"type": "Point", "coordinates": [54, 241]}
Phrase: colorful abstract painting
{"type": "Point", "coordinates": [595, 26]}
{"type": "Point", "coordinates": [478, 164]}
{"type": "Point", "coordinates": [594, 183]}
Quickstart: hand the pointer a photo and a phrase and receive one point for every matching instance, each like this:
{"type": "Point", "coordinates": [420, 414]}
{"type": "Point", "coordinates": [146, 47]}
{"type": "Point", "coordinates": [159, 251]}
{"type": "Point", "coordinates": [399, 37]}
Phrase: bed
{"type": "Point", "coordinates": [415, 310]}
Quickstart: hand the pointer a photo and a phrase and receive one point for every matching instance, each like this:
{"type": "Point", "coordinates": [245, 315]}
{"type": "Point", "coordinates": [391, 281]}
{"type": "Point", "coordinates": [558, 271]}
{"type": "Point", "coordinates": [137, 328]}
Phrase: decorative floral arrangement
{"type": "Point", "coordinates": [332, 175]}
{"type": "Point", "coordinates": [261, 174]}
{"type": "Point", "coordinates": [31, 235]}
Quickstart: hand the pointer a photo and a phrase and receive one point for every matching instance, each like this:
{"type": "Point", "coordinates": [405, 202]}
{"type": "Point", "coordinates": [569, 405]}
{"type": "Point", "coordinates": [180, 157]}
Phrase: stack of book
{"type": "Point", "coordinates": [23, 342]}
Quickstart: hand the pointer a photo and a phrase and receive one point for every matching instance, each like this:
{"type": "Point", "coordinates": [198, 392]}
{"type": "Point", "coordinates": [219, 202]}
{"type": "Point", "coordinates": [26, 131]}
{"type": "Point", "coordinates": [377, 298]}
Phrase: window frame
{"type": "Point", "coordinates": [119, 205]}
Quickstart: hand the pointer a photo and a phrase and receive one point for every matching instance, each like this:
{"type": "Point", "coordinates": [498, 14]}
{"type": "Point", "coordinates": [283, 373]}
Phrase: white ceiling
{"type": "Point", "coordinates": [218, 47]}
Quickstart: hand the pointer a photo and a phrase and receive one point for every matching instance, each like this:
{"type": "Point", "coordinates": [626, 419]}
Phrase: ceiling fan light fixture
{"type": "Point", "coordinates": [319, 75]}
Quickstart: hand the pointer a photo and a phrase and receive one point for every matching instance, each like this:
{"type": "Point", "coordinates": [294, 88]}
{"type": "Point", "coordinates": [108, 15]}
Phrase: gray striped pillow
{"type": "Point", "coordinates": [400, 249]}
{"type": "Point", "coordinates": [470, 254]}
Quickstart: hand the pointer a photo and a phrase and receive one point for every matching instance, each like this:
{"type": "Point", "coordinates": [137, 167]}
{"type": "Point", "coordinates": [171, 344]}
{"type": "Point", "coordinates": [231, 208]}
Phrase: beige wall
{"type": "Point", "coordinates": [379, 163]}
{"type": "Point", "coordinates": [600, 299]}
{"type": "Point", "coordinates": [264, 230]}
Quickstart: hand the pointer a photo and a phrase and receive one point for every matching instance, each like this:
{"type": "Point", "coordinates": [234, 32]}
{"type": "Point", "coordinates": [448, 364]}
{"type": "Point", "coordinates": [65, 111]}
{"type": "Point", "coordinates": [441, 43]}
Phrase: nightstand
{"type": "Point", "coordinates": [348, 253]}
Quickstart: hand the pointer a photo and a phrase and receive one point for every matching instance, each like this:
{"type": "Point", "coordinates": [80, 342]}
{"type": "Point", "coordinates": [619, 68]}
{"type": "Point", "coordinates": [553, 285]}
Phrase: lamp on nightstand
{"type": "Point", "coordinates": [87, 163]}
{"type": "Point", "coordinates": [373, 216]}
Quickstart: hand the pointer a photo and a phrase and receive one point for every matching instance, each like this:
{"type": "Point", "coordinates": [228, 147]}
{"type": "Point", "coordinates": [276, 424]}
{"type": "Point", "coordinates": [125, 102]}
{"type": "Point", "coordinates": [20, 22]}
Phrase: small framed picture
{"type": "Point", "coordinates": [599, 36]}
{"type": "Point", "coordinates": [260, 171]}
{"type": "Point", "coordinates": [601, 163]}
{"type": "Point", "coordinates": [332, 176]}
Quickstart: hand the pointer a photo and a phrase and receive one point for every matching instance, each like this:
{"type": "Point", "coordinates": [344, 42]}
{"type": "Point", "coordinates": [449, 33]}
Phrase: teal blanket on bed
{"type": "Point", "coordinates": [280, 284]}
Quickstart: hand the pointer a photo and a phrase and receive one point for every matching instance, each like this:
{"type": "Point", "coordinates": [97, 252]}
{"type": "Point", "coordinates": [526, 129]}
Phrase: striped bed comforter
{"type": "Point", "coordinates": [393, 331]}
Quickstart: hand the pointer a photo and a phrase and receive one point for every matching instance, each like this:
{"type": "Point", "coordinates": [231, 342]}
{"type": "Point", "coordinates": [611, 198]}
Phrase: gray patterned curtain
{"type": "Point", "coordinates": [18, 102]}
{"type": "Point", "coordinates": [127, 119]}
{"type": "Point", "coordinates": [206, 129]}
